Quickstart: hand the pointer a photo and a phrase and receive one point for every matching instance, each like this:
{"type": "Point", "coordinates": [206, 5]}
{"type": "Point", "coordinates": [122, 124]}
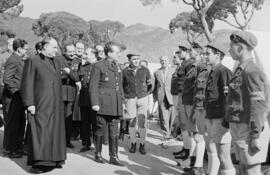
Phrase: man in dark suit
{"type": "Point", "coordinates": [162, 94]}
{"type": "Point", "coordinates": [69, 78]}
{"type": "Point", "coordinates": [88, 116]}
{"type": "Point", "coordinates": [41, 93]}
{"type": "Point", "coordinates": [107, 98]}
{"type": "Point", "coordinates": [13, 109]}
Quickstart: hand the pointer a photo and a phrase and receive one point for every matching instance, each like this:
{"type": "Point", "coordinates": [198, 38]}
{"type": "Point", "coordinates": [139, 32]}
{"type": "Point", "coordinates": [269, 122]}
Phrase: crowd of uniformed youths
{"type": "Point", "coordinates": [214, 107]}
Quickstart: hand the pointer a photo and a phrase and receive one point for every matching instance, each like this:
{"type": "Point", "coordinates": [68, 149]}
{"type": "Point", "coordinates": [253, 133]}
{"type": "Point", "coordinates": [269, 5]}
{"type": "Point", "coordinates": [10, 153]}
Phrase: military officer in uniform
{"type": "Point", "coordinates": [218, 138]}
{"type": "Point", "coordinates": [107, 98]}
{"type": "Point", "coordinates": [69, 78]}
{"type": "Point", "coordinates": [247, 105]}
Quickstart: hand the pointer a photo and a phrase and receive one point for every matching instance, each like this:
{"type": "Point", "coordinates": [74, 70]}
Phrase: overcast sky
{"type": "Point", "coordinates": [128, 11]}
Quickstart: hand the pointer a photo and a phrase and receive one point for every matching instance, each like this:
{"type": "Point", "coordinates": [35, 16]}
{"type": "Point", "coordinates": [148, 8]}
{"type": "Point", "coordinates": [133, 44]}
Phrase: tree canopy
{"type": "Point", "coordinates": [10, 8]}
{"type": "Point", "coordinates": [66, 27]}
{"type": "Point", "coordinates": [210, 10]}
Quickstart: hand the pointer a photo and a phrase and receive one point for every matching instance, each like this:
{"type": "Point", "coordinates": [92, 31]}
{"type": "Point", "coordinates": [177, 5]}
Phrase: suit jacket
{"type": "Point", "coordinates": [13, 73]}
{"type": "Point", "coordinates": [162, 85]}
{"type": "Point", "coordinates": [106, 88]}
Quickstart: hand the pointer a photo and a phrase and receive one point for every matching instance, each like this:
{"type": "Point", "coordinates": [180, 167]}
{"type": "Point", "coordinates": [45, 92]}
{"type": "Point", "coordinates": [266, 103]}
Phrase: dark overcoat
{"type": "Point", "coordinates": [106, 88]}
{"type": "Point", "coordinates": [41, 87]}
{"type": "Point", "coordinates": [13, 109]}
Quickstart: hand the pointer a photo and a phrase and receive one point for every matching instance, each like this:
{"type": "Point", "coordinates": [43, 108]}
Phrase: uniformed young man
{"type": "Point", "coordinates": [107, 98]}
{"type": "Point", "coordinates": [184, 49]}
{"type": "Point", "coordinates": [191, 71]}
{"type": "Point", "coordinates": [88, 116]}
{"type": "Point", "coordinates": [198, 115]}
{"type": "Point", "coordinates": [137, 84]}
{"type": "Point", "coordinates": [218, 138]}
{"type": "Point", "coordinates": [247, 105]}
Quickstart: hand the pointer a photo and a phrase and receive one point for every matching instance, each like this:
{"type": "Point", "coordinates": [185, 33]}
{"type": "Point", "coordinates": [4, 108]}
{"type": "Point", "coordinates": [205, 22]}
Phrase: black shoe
{"type": "Point", "coordinates": [133, 148]}
{"type": "Point", "coordinates": [179, 152]}
{"type": "Point", "coordinates": [142, 149]}
{"type": "Point", "coordinates": [194, 171]}
{"type": "Point", "coordinates": [36, 170]}
{"type": "Point", "coordinates": [58, 166]}
{"type": "Point", "coordinates": [184, 155]}
{"type": "Point", "coordinates": [84, 149]}
{"type": "Point", "coordinates": [70, 145]}
{"type": "Point", "coordinates": [98, 158]}
{"type": "Point", "coordinates": [15, 155]}
{"type": "Point", "coordinates": [114, 160]}
{"type": "Point", "coordinates": [23, 152]}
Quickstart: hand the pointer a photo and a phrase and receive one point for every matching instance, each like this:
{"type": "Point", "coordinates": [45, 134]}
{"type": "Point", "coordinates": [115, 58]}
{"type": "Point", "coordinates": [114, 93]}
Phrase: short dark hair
{"type": "Point", "coordinates": [108, 47]}
{"type": "Point", "coordinates": [18, 43]}
{"type": "Point", "coordinates": [216, 51]}
{"type": "Point", "coordinates": [38, 46]}
{"type": "Point", "coordinates": [46, 40]}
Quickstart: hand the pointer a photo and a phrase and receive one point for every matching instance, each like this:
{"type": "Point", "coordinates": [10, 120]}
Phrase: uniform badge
{"type": "Point", "coordinates": [106, 79]}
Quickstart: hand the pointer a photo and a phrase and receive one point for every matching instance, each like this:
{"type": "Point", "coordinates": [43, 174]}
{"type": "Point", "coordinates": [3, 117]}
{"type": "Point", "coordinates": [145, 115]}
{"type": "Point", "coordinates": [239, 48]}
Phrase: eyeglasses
{"type": "Point", "coordinates": [237, 39]}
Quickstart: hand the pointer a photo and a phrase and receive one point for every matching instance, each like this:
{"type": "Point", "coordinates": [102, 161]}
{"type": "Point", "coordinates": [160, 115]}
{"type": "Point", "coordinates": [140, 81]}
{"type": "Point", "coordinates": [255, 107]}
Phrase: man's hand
{"type": "Point", "coordinates": [66, 70]}
{"type": "Point", "coordinates": [124, 107]}
{"type": "Point", "coordinates": [95, 108]}
{"type": "Point", "coordinates": [79, 85]}
{"type": "Point", "coordinates": [254, 146]}
{"type": "Point", "coordinates": [31, 109]}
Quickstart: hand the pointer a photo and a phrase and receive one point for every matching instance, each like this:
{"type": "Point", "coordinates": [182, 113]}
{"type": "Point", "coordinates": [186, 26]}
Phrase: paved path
{"type": "Point", "coordinates": [157, 161]}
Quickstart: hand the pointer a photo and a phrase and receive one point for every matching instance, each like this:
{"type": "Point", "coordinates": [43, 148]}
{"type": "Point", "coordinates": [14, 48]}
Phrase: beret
{"type": "Point", "coordinates": [244, 37]}
{"type": "Point", "coordinates": [184, 45]}
{"type": "Point", "coordinates": [131, 55]}
{"type": "Point", "coordinates": [218, 46]}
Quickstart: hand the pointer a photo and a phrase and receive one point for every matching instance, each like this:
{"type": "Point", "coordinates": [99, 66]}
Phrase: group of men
{"type": "Point", "coordinates": [214, 106]}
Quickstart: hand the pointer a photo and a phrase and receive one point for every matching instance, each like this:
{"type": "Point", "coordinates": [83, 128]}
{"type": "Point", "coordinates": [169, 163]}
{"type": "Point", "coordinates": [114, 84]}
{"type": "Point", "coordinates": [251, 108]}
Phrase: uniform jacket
{"type": "Point", "coordinates": [162, 85]}
{"type": "Point", "coordinates": [106, 88]}
{"type": "Point", "coordinates": [13, 73]}
{"type": "Point", "coordinates": [136, 84]}
{"type": "Point", "coordinates": [178, 80]}
{"type": "Point", "coordinates": [246, 102]}
{"type": "Point", "coordinates": [216, 91]}
{"type": "Point", "coordinates": [41, 87]}
{"type": "Point", "coordinates": [200, 85]}
{"type": "Point", "coordinates": [84, 72]}
{"type": "Point", "coordinates": [68, 80]}
{"type": "Point", "coordinates": [189, 83]}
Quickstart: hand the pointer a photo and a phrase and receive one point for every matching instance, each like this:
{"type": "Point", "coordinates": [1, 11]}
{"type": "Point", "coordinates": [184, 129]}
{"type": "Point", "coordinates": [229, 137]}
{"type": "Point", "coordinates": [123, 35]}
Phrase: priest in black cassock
{"type": "Point", "coordinates": [41, 94]}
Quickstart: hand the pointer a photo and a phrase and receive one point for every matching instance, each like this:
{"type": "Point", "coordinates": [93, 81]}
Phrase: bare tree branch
{"type": "Point", "coordinates": [250, 17]}
{"type": "Point", "coordinates": [231, 24]}
{"type": "Point", "coordinates": [237, 21]}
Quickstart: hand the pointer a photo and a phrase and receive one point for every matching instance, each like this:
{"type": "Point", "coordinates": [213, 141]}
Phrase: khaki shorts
{"type": "Point", "coordinates": [240, 135]}
{"type": "Point", "coordinates": [199, 126]}
{"type": "Point", "coordinates": [137, 109]}
{"type": "Point", "coordinates": [216, 133]}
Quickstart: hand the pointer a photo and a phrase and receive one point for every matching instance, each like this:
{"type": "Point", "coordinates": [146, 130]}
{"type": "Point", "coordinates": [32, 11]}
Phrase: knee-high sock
{"type": "Point", "coordinates": [200, 148]}
{"type": "Point", "coordinates": [213, 164]}
{"type": "Point", "coordinates": [132, 133]}
{"type": "Point", "coordinates": [185, 136]}
{"type": "Point", "coordinates": [192, 146]}
{"type": "Point", "coordinates": [142, 132]}
{"type": "Point", "coordinates": [228, 172]}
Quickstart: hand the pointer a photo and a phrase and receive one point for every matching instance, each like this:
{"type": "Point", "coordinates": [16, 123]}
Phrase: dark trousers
{"type": "Point", "coordinates": [14, 123]}
{"type": "Point", "coordinates": [68, 106]}
{"type": "Point", "coordinates": [107, 123]}
{"type": "Point", "coordinates": [88, 125]}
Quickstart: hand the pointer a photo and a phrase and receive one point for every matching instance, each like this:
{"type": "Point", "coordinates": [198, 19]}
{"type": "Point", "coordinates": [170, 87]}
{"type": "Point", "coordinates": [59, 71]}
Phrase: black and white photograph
{"type": "Point", "coordinates": [135, 87]}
